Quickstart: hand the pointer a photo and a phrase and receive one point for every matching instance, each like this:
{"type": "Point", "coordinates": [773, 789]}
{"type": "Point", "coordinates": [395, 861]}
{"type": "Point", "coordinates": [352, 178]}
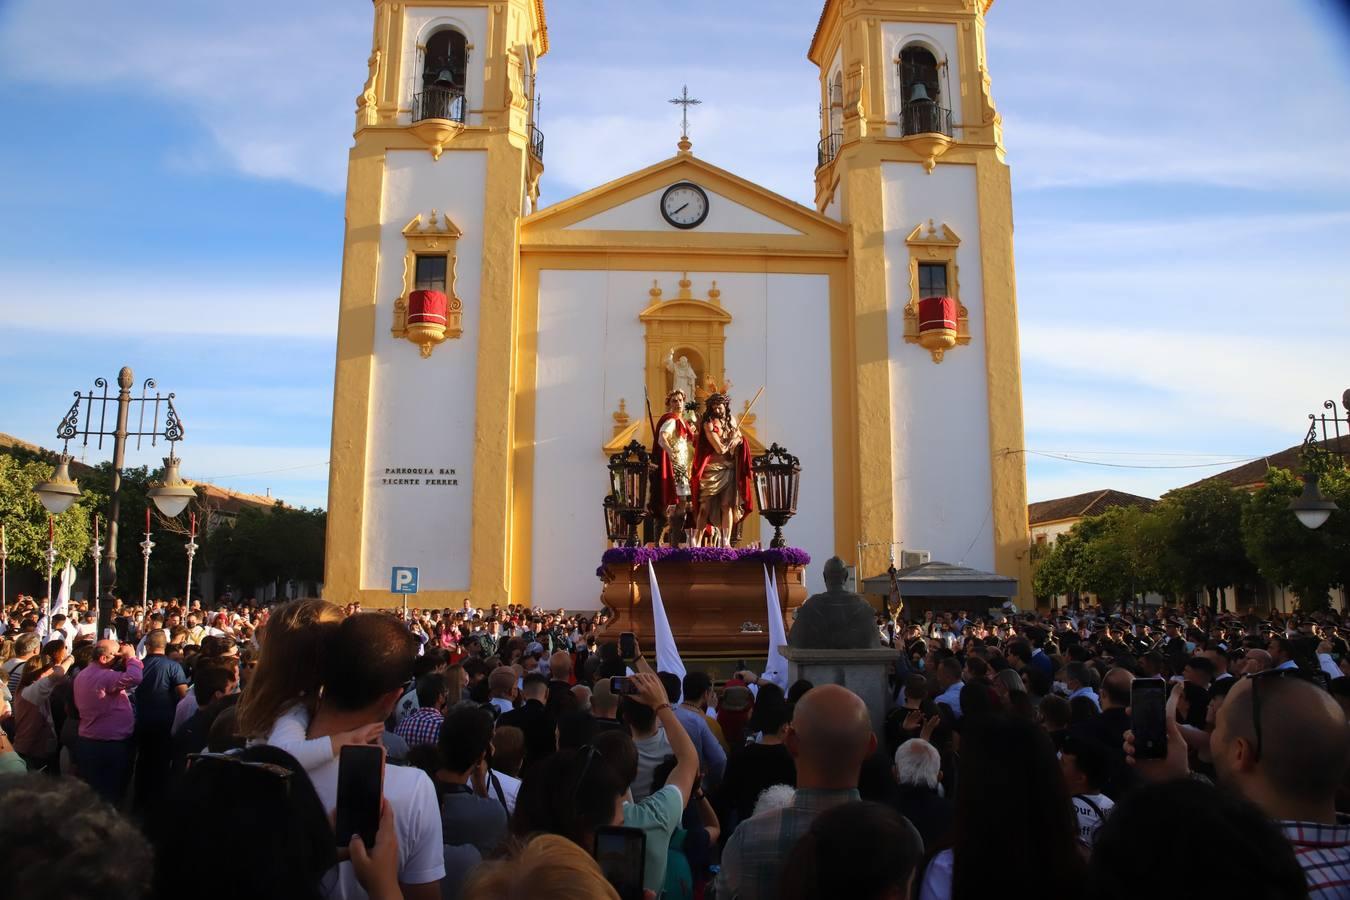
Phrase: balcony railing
{"type": "Point", "coordinates": [926, 117]}
{"type": "Point", "coordinates": [536, 143]}
{"type": "Point", "coordinates": [828, 149]}
{"type": "Point", "coordinates": [439, 103]}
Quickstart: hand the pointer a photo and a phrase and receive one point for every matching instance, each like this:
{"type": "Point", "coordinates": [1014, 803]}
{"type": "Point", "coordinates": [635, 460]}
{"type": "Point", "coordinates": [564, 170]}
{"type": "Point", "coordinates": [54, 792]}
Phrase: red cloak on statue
{"type": "Point", "coordinates": [743, 478]}
{"type": "Point", "coordinates": [663, 475]}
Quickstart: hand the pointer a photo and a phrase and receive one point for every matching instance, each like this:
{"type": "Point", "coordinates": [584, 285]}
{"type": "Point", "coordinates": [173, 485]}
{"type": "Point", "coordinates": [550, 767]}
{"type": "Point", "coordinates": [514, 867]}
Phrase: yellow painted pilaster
{"type": "Point", "coordinates": [863, 193]}
{"type": "Point", "coordinates": [1003, 364]}
{"type": "Point", "coordinates": [355, 360]}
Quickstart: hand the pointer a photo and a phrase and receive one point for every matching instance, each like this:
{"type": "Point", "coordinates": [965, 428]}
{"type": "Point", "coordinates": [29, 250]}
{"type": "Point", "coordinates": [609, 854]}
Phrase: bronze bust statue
{"type": "Point", "coordinates": [836, 619]}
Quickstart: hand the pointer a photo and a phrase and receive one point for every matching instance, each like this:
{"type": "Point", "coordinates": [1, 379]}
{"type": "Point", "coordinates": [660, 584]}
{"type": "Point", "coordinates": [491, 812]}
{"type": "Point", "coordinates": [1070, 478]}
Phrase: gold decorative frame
{"type": "Point", "coordinates": [438, 236]}
{"type": "Point", "coordinates": [928, 245]}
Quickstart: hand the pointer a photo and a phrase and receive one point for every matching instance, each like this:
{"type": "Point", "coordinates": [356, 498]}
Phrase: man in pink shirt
{"type": "Point", "coordinates": [107, 720]}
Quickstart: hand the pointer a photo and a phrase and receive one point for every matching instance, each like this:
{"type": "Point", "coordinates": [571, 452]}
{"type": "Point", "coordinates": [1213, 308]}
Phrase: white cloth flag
{"type": "Point", "coordinates": [667, 654]}
{"type": "Point", "coordinates": [776, 667]}
{"type": "Point", "coordinates": [63, 596]}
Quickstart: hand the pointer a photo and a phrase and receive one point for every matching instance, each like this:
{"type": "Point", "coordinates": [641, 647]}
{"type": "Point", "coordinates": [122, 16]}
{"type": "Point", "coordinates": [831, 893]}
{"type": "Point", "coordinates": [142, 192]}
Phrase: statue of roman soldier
{"type": "Point", "coordinates": [672, 458]}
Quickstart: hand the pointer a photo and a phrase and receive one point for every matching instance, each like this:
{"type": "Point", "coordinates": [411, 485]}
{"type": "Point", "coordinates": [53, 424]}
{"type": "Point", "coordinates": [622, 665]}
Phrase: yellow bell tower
{"type": "Point", "coordinates": [911, 159]}
{"type": "Point", "coordinates": [446, 161]}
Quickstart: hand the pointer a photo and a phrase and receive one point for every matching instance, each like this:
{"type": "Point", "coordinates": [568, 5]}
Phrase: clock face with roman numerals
{"type": "Point", "coordinates": [684, 205]}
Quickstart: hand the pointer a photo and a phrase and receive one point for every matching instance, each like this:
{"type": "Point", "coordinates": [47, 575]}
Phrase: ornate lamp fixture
{"type": "Point", "coordinates": [1311, 508]}
{"type": "Point", "coordinates": [629, 481]}
{"type": "Point", "coordinates": [617, 530]}
{"type": "Point", "coordinates": [60, 491]}
{"type": "Point", "coordinates": [777, 477]}
{"type": "Point", "coordinates": [172, 495]}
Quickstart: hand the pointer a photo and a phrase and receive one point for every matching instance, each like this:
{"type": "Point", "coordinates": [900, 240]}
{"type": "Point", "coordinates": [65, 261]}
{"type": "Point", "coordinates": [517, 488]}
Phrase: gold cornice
{"type": "Point", "coordinates": [536, 6]}
{"type": "Point", "coordinates": [831, 13]}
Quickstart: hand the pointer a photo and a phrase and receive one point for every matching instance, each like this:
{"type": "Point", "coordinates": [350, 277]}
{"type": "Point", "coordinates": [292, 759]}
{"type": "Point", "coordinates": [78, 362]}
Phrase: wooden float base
{"type": "Point", "coordinates": [707, 603]}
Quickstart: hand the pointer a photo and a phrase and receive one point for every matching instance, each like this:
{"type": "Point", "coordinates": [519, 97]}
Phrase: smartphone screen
{"type": "Point", "coordinates": [628, 645]}
{"type": "Point", "coordinates": [621, 853]}
{"type": "Point", "coordinates": [1148, 717]}
{"type": "Point", "coordinates": [621, 685]}
{"type": "Point", "coordinates": [360, 788]}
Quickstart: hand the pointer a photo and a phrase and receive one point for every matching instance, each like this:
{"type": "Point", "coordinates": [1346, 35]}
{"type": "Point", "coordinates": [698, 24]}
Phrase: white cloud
{"type": "Point", "coordinates": [1183, 383]}
{"type": "Point", "coordinates": [159, 304]}
{"type": "Point", "coordinates": [272, 84]}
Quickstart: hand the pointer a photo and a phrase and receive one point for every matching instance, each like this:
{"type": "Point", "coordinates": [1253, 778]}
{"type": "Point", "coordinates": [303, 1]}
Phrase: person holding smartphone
{"type": "Point", "coordinates": [659, 814]}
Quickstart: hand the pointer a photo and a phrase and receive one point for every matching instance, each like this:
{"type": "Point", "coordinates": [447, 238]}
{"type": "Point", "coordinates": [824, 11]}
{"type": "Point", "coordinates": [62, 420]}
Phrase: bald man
{"type": "Point", "coordinates": [1292, 770]}
{"type": "Point", "coordinates": [560, 696]}
{"type": "Point", "coordinates": [107, 719]}
{"type": "Point", "coordinates": [830, 736]}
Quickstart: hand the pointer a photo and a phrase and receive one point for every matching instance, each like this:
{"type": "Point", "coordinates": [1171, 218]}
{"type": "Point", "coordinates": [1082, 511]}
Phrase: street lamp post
{"type": "Point", "coordinates": [191, 549]}
{"type": "Point", "coordinates": [88, 418]}
{"type": "Point", "coordinates": [1311, 508]}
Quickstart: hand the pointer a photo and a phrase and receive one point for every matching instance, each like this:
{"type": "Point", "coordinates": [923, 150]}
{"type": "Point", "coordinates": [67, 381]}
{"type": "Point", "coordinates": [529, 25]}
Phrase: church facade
{"type": "Point", "coordinates": [492, 355]}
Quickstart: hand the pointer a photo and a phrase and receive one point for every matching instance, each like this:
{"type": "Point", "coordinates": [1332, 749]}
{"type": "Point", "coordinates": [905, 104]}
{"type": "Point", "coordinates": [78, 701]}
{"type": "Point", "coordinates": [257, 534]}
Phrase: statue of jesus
{"type": "Point", "coordinates": [682, 375]}
{"type": "Point", "coordinates": [721, 471]}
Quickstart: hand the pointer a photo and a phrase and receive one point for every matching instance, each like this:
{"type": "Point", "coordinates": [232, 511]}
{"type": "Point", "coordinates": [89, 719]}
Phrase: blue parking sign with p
{"type": "Point", "coordinates": [404, 580]}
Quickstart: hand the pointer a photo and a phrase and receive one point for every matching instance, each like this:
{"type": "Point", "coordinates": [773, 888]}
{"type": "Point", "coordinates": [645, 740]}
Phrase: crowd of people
{"type": "Point", "coordinates": [191, 752]}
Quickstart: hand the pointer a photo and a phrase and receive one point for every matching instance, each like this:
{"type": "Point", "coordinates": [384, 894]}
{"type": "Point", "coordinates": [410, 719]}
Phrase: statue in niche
{"type": "Point", "coordinates": [683, 378]}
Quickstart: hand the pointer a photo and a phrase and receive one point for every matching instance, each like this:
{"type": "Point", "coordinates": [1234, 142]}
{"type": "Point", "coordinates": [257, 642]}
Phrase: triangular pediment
{"type": "Point", "coordinates": [626, 212]}
{"type": "Point", "coordinates": [685, 311]}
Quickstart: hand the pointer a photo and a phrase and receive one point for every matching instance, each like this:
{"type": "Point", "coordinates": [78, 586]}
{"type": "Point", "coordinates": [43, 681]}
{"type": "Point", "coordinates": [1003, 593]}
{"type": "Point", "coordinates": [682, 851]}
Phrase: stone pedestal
{"type": "Point", "coordinates": [864, 672]}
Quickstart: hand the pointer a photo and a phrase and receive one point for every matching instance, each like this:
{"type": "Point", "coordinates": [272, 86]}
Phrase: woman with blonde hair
{"type": "Point", "coordinates": [286, 683]}
{"type": "Point", "coordinates": [548, 865]}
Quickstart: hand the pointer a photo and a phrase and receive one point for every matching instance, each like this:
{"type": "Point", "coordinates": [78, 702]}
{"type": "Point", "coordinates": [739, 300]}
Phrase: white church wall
{"type": "Point", "coordinates": [644, 214]}
{"type": "Point", "coordinates": [420, 23]}
{"type": "Point", "coordinates": [422, 410]}
{"type": "Point", "coordinates": [940, 412]}
{"type": "Point", "coordinates": [591, 350]}
{"type": "Point", "coordinates": [942, 42]}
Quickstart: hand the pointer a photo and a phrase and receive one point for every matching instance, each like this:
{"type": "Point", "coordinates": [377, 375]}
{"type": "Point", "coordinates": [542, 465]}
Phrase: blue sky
{"type": "Point", "coordinates": [173, 201]}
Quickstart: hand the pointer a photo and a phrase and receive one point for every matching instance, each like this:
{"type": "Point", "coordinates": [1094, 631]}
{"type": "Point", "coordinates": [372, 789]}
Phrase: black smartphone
{"type": "Point", "coordinates": [622, 855]}
{"type": "Point", "coordinates": [628, 645]}
{"type": "Point", "coordinates": [1148, 717]}
{"type": "Point", "coordinates": [359, 791]}
{"type": "Point", "coordinates": [622, 685]}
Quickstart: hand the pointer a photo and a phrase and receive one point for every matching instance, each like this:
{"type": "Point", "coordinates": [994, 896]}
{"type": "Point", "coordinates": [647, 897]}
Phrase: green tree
{"type": "Point", "coordinates": [270, 546]}
{"type": "Point", "coordinates": [1309, 562]}
{"type": "Point", "coordinates": [25, 519]}
{"type": "Point", "coordinates": [1206, 552]}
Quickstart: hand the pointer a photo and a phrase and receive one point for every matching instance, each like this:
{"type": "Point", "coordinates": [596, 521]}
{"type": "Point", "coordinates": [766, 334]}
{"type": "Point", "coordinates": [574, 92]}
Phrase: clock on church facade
{"type": "Point", "coordinates": [880, 321]}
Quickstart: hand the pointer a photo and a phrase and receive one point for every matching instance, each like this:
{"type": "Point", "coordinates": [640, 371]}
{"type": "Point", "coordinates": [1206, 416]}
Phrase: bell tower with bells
{"type": "Point", "coordinates": [911, 158]}
{"type": "Point", "coordinates": [446, 159]}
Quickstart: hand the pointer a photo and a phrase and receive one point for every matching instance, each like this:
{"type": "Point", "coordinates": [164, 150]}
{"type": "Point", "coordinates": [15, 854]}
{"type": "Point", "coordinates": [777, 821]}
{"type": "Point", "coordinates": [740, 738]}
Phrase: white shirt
{"type": "Point", "coordinates": [510, 788]}
{"type": "Point", "coordinates": [417, 818]}
{"type": "Point", "coordinates": [502, 704]}
{"type": "Point", "coordinates": [1089, 819]}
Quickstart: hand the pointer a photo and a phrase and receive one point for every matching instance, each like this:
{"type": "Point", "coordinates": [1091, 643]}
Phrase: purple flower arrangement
{"type": "Point", "coordinates": [639, 556]}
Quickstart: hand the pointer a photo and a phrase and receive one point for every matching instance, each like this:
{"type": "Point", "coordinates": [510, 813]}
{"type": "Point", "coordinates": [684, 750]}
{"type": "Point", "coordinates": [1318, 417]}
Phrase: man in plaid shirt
{"type": "Point", "coordinates": [1283, 742]}
{"type": "Point", "coordinates": [423, 725]}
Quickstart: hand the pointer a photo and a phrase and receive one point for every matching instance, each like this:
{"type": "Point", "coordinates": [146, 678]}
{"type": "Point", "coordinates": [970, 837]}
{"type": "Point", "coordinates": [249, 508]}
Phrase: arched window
{"type": "Point", "coordinates": [447, 59]}
{"type": "Point", "coordinates": [445, 65]}
{"type": "Point", "coordinates": [921, 107]}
